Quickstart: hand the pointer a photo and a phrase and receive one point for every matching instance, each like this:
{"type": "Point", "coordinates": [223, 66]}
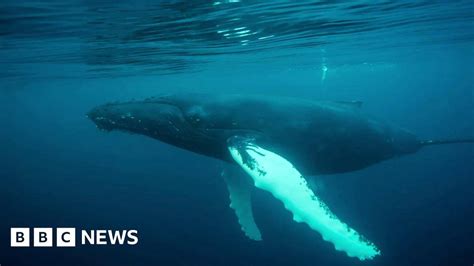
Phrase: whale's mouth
{"type": "Point", "coordinates": [101, 119]}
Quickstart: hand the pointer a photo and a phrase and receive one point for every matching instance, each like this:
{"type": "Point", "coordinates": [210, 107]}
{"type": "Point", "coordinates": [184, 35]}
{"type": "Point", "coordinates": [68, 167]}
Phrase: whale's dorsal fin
{"type": "Point", "coordinates": [352, 104]}
{"type": "Point", "coordinates": [273, 173]}
{"type": "Point", "coordinates": [239, 187]}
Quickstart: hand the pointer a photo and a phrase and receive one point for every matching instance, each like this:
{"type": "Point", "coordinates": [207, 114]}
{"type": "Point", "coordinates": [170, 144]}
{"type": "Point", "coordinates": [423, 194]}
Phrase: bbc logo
{"type": "Point", "coordinates": [42, 237]}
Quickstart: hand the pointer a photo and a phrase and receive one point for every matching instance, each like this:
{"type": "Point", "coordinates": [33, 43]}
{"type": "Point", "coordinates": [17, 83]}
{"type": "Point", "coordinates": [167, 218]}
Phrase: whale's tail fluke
{"type": "Point", "coordinates": [446, 141]}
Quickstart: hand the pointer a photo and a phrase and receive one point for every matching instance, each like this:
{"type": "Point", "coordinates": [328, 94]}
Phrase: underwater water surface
{"type": "Point", "coordinates": [410, 62]}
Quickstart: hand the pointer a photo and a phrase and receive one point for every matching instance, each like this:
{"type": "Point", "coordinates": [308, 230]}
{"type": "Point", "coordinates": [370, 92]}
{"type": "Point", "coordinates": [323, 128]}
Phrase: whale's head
{"type": "Point", "coordinates": [147, 118]}
{"type": "Point", "coordinates": [176, 121]}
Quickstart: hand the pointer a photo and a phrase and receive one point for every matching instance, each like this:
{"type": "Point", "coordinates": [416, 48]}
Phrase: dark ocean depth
{"type": "Point", "coordinates": [410, 62]}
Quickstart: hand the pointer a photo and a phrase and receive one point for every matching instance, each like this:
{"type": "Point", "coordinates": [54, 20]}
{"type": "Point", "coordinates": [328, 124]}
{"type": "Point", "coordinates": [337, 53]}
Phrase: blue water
{"type": "Point", "coordinates": [410, 62]}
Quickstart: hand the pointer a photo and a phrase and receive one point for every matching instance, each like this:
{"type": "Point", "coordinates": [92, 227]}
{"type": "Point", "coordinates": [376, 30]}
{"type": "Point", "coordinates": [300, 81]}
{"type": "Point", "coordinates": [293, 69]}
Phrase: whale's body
{"type": "Point", "coordinates": [318, 137]}
{"type": "Point", "coordinates": [277, 141]}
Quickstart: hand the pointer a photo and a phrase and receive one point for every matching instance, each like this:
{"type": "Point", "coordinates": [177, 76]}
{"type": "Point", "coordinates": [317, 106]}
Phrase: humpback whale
{"type": "Point", "coordinates": [278, 142]}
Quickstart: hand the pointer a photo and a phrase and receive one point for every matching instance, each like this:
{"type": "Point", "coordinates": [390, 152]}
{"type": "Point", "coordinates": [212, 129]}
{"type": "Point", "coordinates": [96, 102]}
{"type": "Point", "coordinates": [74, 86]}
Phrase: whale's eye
{"type": "Point", "coordinates": [196, 115]}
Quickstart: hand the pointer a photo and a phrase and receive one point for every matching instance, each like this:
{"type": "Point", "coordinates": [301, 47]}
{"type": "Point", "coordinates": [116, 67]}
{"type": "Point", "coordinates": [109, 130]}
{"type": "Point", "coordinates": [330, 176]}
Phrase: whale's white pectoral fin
{"type": "Point", "coordinates": [240, 201]}
{"type": "Point", "coordinates": [275, 174]}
